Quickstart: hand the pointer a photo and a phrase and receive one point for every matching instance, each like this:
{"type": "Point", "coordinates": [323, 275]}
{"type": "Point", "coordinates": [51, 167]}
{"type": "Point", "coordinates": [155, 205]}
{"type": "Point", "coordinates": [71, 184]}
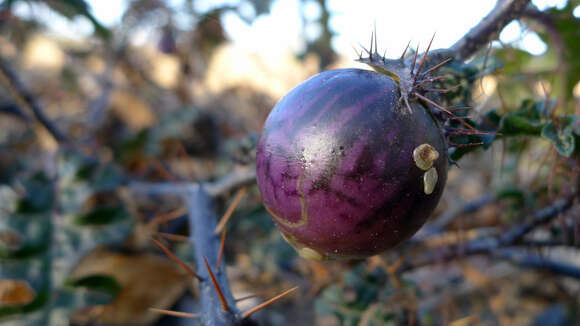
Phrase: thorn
{"type": "Point", "coordinates": [229, 212]}
{"type": "Point", "coordinates": [465, 108]}
{"type": "Point", "coordinates": [405, 51]}
{"type": "Point", "coordinates": [376, 46]}
{"type": "Point", "coordinates": [430, 80]}
{"type": "Point", "coordinates": [359, 54]}
{"type": "Point", "coordinates": [246, 297]}
{"type": "Point", "coordinates": [443, 109]}
{"type": "Point", "coordinates": [164, 218]}
{"type": "Point", "coordinates": [174, 237]}
{"type": "Point", "coordinates": [365, 49]}
{"type": "Point", "coordinates": [414, 60]}
{"type": "Point", "coordinates": [441, 90]}
{"type": "Point", "coordinates": [216, 285]}
{"type": "Point", "coordinates": [221, 250]}
{"type": "Point", "coordinates": [439, 65]}
{"type": "Point", "coordinates": [176, 259]}
{"type": "Point", "coordinates": [161, 169]}
{"type": "Point", "coordinates": [186, 158]}
{"type": "Point", "coordinates": [457, 131]}
{"type": "Point", "coordinates": [423, 60]}
{"type": "Point", "coordinates": [457, 117]}
{"type": "Point", "coordinates": [267, 303]}
{"type": "Point", "coordinates": [371, 47]}
{"type": "Point", "coordinates": [461, 146]}
{"type": "Point", "coordinates": [174, 313]}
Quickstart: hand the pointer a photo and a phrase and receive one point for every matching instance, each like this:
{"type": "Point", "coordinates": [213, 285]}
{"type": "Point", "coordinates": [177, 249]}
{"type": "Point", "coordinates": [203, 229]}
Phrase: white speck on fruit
{"type": "Point", "coordinates": [424, 155]}
{"type": "Point", "coordinates": [429, 181]}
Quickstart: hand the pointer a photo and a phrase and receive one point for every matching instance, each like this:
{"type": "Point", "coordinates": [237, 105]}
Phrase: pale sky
{"type": "Point", "coordinates": [397, 22]}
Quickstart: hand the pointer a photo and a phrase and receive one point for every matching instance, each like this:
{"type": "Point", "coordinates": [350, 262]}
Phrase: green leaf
{"type": "Point", "coordinates": [103, 215]}
{"type": "Point", "coordinates": [561, 135]}
{"type": "Point", "coordinates": [39, 195]}
{"type": "Point", "coordinates": [39, 301]}
{"type": "Point", "coordinates": [513, 124]}
{"type": "Point", "coordinates": [97, 282]}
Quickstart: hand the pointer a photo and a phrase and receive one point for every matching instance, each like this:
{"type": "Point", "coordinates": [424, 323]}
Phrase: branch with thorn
{"type": "Point", "coordinates": [207, 237]}
{"type": "Point", "coordinates": [502, 246]}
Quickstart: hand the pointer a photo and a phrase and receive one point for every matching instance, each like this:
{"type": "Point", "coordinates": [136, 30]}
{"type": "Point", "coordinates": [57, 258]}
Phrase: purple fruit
{"type": "Point", "coordinates": [347, 168]}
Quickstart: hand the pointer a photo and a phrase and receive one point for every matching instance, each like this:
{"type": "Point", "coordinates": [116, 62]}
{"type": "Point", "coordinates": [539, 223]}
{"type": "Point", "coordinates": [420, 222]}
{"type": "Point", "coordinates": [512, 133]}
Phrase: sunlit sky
{"type": "Point", "coordinates": [397, 23]}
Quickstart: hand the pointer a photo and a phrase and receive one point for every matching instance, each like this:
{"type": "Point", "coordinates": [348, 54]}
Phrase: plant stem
{"type": "Point", "coordinates": [489, 28]}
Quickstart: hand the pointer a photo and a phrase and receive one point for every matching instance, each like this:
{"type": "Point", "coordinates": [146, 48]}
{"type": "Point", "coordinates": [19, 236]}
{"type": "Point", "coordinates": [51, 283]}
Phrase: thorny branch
{"type": "Point", "coordinates": [497, 246]}
{"type": "Point", "coordinates": [202, 221]}
{"type": "Point", "coordinates": [489, 28]}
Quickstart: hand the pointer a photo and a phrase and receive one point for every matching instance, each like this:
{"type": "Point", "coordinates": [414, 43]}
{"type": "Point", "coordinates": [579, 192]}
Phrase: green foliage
{"type": "Point", "coordinates": [531, 119]}
{"type": "Point", "coordinates": [103, 215]}
{"type": "Point", "coordinates": [101, 283]}
{"type": "Point", "coordinates": [560, 133]}
{"type": "Point", "coordinates": [38, 196]}
{"type": "Point", "coordinates": [39, 301]}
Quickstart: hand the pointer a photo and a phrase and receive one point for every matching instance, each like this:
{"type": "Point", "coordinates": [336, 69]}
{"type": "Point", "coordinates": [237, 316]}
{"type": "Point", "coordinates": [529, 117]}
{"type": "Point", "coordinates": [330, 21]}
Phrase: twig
{"type": "Point", "coordinates": [489, 28]}
{"type": "Point", "coordinates": [202, 221]}
{"type": "Point", "coordinates": [25, 99]}
{"type": "Point", "coordinates": [238, 178]}
{"type": "Point", "coordinates": [489, 245]}
{"type": "Point", "coordinates": [525, 259]}
{"type": "Point", "coordinates": [441, 222]}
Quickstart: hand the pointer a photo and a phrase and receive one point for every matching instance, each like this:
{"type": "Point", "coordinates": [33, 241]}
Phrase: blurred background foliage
{"type": "Point", "coordinates": [75, 242]}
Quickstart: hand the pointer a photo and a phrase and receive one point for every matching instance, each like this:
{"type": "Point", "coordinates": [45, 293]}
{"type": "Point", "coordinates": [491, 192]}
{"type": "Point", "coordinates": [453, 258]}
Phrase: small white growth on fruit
{"type": "Point", "coordinates": [310, 254]}
{"type": "Point", "coordinates": [429, 181]}
{"type": "Point", "coordinates": [424, 155]}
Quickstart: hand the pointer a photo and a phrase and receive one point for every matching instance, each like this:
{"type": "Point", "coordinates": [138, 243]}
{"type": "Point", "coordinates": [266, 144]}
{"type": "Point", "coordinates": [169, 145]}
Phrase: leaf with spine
{"type": "Point", "coordinates": [561, 135]}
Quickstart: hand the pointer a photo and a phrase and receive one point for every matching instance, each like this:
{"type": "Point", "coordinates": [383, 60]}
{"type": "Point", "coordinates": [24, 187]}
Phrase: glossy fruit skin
{"type": "Point", "coordinates": [335, 165]}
